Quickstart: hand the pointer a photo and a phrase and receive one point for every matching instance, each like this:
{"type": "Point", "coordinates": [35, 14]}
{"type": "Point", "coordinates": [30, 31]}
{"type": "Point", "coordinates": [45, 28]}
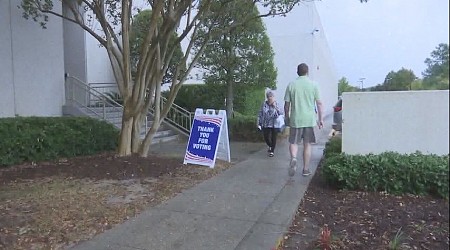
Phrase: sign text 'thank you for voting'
{"type": "Point", "coordinates": [207, 131]}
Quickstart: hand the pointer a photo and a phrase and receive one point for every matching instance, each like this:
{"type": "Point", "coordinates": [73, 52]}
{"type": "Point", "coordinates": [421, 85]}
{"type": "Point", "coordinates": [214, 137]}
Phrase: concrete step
{"type": "Point", "coordinates": [114, 117]}
{"type": "Point", "coordinates": [165, 139]}
{"type": "Point", "coordinates": [163, 133]}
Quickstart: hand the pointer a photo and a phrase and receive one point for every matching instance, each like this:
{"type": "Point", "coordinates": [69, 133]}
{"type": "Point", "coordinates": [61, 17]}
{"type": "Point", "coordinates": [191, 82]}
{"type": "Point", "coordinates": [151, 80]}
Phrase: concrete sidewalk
{"type": "Point", "coordinates": [249, 206]}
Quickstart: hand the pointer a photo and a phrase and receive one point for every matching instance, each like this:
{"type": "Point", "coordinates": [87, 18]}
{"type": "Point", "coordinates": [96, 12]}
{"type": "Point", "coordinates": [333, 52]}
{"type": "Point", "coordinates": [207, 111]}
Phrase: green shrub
{"type": "Point", "coordinates": [31, 139]}
{"type": "Point", "coordinates": [243, 128]}
{"type": "Point", "coordinates": [192, 96]}
{"type": "Point", "coordinates": [391, 172]}
{"type": "Point", "coordinates": [333, 146]}
{"type": "Point", "coordinates": [247, 100]}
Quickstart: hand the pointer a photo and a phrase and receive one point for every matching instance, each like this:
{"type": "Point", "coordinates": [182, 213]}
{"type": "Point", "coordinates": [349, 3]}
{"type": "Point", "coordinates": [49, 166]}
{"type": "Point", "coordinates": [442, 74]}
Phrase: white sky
{"type": "Point", "coordinates": [371, 39]}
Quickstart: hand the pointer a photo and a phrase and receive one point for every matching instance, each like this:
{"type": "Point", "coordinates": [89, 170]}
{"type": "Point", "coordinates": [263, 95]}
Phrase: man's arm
{"type": "Point", "coordinates": [319, 113]}
{"type": "Point", "coordinates": [287, 107]}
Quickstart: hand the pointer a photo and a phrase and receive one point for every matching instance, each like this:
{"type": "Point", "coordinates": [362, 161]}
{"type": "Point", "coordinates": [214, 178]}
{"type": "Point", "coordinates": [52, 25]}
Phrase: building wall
{"type": "Point", "coordinates": [99, 70]}
{"type": "Point", "coordinates": [294, 42]}
{"type": "Point", "coordinates": [323, 70]}
{"type": "Point", "coordinates": [403, 121]}
{"type": "Point", "coordinates": [84, 57]}
{"type": "Point", "coordinates": [7, 106]}
{"type": "Point", "coordinates": [32, 64]}
{"type": "Point", "coordinates": [75, 61]}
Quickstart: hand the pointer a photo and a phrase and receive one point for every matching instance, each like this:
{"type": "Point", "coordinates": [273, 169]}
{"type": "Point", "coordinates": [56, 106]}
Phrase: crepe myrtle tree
{"type": "Point", "coordinates": [114, 17]}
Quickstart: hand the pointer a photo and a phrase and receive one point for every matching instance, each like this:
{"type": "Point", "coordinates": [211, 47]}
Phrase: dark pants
{"type": "Point", "coordinates": [270, 136]}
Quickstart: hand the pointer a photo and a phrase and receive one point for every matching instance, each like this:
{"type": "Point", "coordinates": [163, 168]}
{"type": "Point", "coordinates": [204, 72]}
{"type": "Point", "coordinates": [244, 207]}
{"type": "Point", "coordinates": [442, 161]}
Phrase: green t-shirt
{"type": "Point", "coordinates": [302, 94]}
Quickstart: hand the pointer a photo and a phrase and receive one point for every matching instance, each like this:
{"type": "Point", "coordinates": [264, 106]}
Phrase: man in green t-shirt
{"type": "Point", "coordinates": [301, 100]}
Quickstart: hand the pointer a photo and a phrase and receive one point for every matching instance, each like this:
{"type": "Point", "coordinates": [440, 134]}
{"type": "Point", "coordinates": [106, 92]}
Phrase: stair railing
{"type": "Point", "coordinates": [80, 94]}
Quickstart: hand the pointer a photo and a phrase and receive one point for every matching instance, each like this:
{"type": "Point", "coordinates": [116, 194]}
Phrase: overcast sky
{"type": "Point", "coordinates": [371, 39]}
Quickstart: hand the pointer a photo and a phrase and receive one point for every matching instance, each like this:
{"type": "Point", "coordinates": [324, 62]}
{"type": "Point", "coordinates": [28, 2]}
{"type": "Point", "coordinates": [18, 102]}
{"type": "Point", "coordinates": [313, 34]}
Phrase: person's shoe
{"type": "Point", "coordinates": [271, 154]}
{"type": "Point", "coordinates": [292, 166]}
{"type": "Point", "coordinates": [306, 172]}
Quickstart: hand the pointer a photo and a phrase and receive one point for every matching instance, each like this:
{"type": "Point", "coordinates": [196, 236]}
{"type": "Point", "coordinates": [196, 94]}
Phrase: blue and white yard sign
{"type": "Point", "coordinates": [208, 139]}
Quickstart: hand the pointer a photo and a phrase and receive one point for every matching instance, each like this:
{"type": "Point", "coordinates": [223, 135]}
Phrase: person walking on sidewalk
{"type": "Point", "coordinates": [301, 99]}
{"type": "Point", "coordinates": [267, 116]}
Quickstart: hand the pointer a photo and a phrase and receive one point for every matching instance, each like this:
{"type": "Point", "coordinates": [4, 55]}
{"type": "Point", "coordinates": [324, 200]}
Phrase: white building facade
{"type": "Point", "coordinates": [31, 64]}
{"type": "Point", "coordinates": [34, 61]}
{"type": "Point", "coordinates": [300, 38]}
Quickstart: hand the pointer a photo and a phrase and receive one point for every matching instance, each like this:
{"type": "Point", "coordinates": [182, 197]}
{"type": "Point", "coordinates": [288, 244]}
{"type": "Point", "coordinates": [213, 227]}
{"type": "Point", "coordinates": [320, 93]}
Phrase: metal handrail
{"type": "Point", "coordinates": [82, 96]}
{"type": "Point", "coordinates": [178, 117]}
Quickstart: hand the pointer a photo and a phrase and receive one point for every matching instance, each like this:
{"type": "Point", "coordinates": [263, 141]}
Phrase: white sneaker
{"type": "Point", "coordinates": [292, 166]}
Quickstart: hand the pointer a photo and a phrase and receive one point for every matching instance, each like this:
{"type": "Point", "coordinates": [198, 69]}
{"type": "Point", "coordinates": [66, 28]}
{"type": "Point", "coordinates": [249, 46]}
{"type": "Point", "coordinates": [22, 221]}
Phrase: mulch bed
{"type": "Point", "coordinates": [357, 220]}
{"type": "Point", "coordinates": [56, 204]}
{"type": "Point", "coordinates": [368, 220]}
{"type": "Point", "coordinates": [97, 167]}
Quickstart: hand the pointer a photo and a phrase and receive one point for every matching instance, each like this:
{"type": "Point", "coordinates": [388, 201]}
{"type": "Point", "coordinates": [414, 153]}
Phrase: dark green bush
{"type": "Point", "coordinates": [31, 139]}
{"type": "Point", "coordinates": [192, 96]}
{"type": "Point", "coordinates": [391, 172]}
{"type": "Point", "coordinates": [333, 146]}
{"type": "Point", "coordinates": [243, 128]}
{"type": "Point", "coordinates": [247, 100]}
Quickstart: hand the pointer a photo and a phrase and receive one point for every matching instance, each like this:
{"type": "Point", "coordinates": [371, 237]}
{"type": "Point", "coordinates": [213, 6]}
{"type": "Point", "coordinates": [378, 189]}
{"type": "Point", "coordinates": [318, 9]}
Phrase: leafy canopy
{"type": "Point", "coordinates": [436, 75]}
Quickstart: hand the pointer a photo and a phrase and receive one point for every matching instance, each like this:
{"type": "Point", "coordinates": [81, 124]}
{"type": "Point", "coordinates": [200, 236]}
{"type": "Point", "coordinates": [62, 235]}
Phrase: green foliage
{"type": "Point", "coordinates": [34, 139]}
{"type": "Point", "coordinates": [139, 29]}
{"type": "Point", "coordinates": [243, 128]}
{"type": "Point", "coordinates": [192, 96]}
{"type": "Point", "coordinates": [248, 100]}
{"type": "Point", "coordinates": [396, 242]}
{"type": "Point", "coordinates": [400, 80]}
{"type": "Point", "coordinates": [417, 85]}
{"type": "Point", "coordinates": [436, 76]}
{"type": "Point", "coordinates": [391, 172]}
{"type": "Point", "coordinates": [241, 57]}
{"type": "Point", "coordinates": [332, 147]}
{"type": "Point", "coordinates": [212, 96]}
{"type": "Point", "coordinates": [344, 86]}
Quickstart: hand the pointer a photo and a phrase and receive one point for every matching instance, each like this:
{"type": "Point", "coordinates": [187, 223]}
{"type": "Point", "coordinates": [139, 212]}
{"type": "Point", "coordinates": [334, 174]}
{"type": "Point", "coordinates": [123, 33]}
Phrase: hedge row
{"type": "Point", "coordinates": [391, 172]}
{"type": "Point", "coordinates": [30, 139]}
{"type": "Point", "coordinates": [247, 101]}
{"type": "Point", "coordinates": [243, 128]}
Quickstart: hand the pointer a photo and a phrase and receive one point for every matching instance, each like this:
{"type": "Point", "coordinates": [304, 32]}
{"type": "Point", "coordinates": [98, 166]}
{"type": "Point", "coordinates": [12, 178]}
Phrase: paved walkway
{"type": "Point", "coordinates": [249, 206]}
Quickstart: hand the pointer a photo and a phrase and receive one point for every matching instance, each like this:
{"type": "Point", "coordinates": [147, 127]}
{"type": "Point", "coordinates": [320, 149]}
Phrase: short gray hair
{"type": "Point", "coordinates": [270, 93]}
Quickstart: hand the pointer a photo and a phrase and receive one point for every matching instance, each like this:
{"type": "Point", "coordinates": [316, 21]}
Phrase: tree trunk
{"type": "Point", "coordinates": [229, 102]}
{"type": "Point", "coordinates": [145, 145]}
{"type": "Point", "coordinates": [138, 122]}
{"type": "Point", "coordinates": [125, 137]}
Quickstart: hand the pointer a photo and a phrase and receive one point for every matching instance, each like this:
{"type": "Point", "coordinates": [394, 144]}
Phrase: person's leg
{"type": "Point", "coordinates": [293, 149]}
{"type": "Point", "coordinates": [274, 138]}
{"type": "Point", "coordinates": [306, 156]}
{"type": "Point", "coordinates": [266, 133]}
{"type": "Point", "coordinates": [293, 143]}
{"type": "Point", "coordinates": [308, 138]}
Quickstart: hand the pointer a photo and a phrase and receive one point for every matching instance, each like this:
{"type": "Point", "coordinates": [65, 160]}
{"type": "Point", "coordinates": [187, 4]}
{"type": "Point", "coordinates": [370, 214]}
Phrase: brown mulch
{"type": "Point", "coordinates": [55, 205]}
{"type": "Point", "coordinates": [367, 220]}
